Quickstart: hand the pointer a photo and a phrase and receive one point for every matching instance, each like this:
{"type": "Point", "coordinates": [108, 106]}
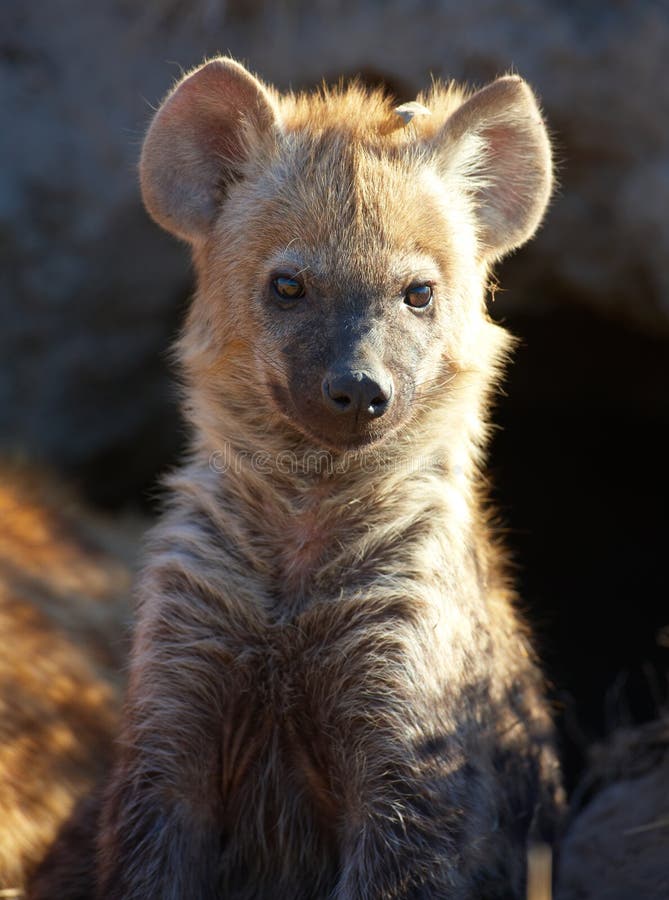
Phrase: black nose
{"type": "Point", "coordinates": [353, 393]}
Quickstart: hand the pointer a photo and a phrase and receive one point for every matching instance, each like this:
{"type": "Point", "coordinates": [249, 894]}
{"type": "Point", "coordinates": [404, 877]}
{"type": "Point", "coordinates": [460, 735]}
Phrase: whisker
{"type": "Point", "coordinates": [436, 387]}
{"type": "Point", "coordinates": [275, 364]}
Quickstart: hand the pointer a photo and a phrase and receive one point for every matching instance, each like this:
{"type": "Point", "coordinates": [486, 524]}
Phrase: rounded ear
{"type": "Point", "coordinates": [498, 143]}
{"type": "Point", "coordinates": [198, 142]}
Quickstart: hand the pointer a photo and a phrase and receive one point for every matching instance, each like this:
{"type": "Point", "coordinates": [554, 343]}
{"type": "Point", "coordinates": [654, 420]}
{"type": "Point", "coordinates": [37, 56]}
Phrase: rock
{"type": "Point", "coordinates": [92, 292]}
{"type": "Point", "coordinates": [616, 848]}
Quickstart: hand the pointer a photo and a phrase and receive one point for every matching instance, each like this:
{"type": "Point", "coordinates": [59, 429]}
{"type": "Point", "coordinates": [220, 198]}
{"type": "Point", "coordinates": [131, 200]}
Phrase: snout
{"type": "Point", "coordinates": [353, 401]}
{"type": "Point", "coordinates": [357, 395]}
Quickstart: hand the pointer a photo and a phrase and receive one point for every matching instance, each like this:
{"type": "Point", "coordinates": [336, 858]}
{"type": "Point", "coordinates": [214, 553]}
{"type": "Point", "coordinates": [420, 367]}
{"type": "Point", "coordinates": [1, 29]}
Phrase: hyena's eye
{"type": "Point", "coordinates": [287, 289]}
{"type": "Point", "coordinates": [419, 296]}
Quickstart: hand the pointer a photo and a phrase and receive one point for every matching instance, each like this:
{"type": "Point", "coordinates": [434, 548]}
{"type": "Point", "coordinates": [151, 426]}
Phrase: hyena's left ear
{"type": "Point", "coordinates": [199, 141]}
{"type": "Point", "coordinates": [498, 144]}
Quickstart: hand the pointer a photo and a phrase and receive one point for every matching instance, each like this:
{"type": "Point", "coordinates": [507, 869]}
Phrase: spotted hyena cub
{"type": "Point", "coordinates": [331, 694]}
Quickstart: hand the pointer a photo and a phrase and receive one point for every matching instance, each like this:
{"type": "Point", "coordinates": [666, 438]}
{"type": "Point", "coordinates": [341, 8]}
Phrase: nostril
{"type": "Point", "coordinates": [377, 403]}
{"type": "Point", "coordinates": [380, 400]}
{"type": "Point", "coordinates": [340, 399]}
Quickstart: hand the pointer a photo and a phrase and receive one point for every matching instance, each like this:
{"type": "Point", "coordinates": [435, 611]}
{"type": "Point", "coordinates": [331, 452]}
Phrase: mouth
{"type": "Point", "coordinates": [329, 433]}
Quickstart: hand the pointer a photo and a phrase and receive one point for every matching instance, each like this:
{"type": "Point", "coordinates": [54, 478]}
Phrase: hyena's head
{"type": "Point", "coordinates": [342, 246]}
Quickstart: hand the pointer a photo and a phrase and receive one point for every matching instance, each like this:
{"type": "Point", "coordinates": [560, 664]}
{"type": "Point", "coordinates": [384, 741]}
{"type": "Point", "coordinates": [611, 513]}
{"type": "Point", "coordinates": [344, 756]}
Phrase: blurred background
{"type": "Point", "coordinates": [93, 293]}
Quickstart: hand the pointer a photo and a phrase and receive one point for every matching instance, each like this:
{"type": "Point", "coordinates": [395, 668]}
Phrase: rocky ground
{"type": "Point", "coordinates": [616, 845]}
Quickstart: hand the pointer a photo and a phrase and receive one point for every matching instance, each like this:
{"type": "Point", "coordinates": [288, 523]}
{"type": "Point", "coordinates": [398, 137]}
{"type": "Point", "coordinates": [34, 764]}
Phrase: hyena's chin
{"type": "Point", "coordinates": [353, 443]}
{"type": "Point", "coordinates": [338, 441]}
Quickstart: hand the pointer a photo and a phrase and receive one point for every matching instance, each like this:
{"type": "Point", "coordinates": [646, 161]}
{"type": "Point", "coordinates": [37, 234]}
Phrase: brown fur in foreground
{"type": "Point", "coordinates": [331, 695]}
{"type": "Point", "coordinates": [63, 614]}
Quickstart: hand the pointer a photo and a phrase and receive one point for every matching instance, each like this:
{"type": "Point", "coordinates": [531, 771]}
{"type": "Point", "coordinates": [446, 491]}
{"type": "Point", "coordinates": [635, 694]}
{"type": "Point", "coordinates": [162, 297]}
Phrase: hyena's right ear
{"type": "Point", "coordinates": [199, 141]}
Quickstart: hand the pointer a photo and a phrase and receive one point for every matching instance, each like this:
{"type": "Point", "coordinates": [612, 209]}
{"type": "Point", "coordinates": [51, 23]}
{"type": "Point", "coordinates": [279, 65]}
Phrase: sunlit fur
{"type": "Point", "coordinates": [63, 616]}
{"type": "Point", "coordinates": [331, 694]}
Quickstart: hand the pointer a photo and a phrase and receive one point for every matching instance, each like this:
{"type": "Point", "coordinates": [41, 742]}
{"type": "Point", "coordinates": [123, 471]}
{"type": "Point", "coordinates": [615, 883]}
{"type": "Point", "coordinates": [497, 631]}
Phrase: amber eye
{"type": "Point", "coordinates": [419, 296]}
{"type": "Point", "coordinates": [287, 289]}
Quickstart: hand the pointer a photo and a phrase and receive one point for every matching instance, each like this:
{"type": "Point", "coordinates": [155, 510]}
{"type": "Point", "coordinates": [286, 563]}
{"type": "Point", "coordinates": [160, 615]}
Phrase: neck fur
{"type": "Point", "coordinates": [307, 518]}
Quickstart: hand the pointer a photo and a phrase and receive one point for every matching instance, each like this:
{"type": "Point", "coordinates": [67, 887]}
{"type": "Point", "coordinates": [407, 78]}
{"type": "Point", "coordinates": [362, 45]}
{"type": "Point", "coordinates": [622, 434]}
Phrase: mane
{"type": "Point", "coordinates": [368, 115]}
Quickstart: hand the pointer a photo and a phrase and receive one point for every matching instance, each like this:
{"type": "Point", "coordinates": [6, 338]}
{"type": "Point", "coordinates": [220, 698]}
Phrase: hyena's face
{"type": "Point", "coordinates": [341, 254]}
{"type": "Point", "coordinates": [350, 289]}
{"type": "Point", "coordinates": [349, 345]}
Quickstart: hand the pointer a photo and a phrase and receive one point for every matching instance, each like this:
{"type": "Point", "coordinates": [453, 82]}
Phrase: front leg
{"type": "Point", "coordinates": [443, 816]}
{"type": "Point", "coordinates": [152, 846]}
{"type": "Point", "coordinates": [440, 779]}
{"type": "Point", "coordinates": [411, 843]}
{"type": "Point", "coordinates": [160, 831]}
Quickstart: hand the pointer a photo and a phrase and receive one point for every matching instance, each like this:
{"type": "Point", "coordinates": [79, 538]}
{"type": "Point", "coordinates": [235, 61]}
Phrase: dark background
{"type": "Point", "coordinates": [91, 293]}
